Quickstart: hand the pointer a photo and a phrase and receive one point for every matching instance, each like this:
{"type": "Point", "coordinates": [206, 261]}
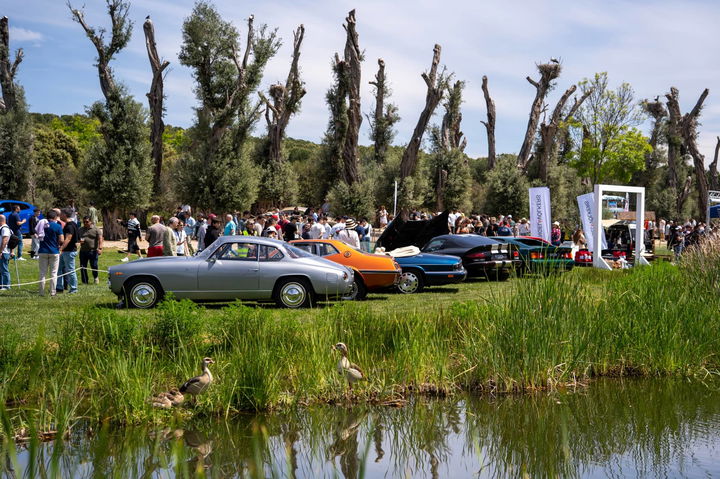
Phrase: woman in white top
{"type": "Point", "coordinates": [383, 217]}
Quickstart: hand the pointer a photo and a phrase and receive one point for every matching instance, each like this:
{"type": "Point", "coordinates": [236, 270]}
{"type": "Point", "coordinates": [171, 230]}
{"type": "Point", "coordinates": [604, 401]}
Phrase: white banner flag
{"type": "Point", "coordinates": [586, 203]}
{"type": "Point", "coordinates": [540, 212]}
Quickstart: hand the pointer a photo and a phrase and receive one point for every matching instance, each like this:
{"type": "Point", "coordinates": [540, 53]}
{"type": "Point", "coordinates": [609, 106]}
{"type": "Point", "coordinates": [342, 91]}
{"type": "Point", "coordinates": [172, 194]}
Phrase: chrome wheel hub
{"type": "Point", "coordinates": [143, 295]}
{"type": "Point", "coordinates": [409, 283]}
{"type": "Point", "coordinates": [292, 294]}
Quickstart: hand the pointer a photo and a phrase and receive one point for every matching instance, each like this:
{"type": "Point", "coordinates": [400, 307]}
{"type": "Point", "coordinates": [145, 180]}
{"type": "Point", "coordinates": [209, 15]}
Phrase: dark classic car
{"type": "Point", "coordinates": [233, 267]}
{"type": "Point", "coordinates": [540, 256]}
{"type": "Point", "coordinates": [480, 255]}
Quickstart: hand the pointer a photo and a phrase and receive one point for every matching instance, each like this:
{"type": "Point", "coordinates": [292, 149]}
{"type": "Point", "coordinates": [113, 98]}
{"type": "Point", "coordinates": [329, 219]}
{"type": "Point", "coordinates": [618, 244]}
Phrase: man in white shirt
{"type": "Point", "coordinates": [348, 235]}
{"type": "Point", "coordinates": [317, 231]}
{"type": "Point", "coordinates": [337, 227]}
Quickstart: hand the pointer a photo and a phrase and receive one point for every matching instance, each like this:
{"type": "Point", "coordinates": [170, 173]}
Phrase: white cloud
{"type": "Point", "coordinates": [24, 35]}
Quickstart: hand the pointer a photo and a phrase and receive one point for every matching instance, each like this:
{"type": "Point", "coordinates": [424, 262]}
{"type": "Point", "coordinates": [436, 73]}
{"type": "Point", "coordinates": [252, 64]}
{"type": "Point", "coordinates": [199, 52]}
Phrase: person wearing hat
{"type": "Point", "coordinates": [556, 234]}
{"type": "Point", "coordinates": [348, 235]}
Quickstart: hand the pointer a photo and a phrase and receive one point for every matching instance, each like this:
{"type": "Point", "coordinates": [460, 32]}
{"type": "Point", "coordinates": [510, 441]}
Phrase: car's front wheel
{"type": "Point", "coordinates": [358, 290]}
{"type": "Point", "coordinates": [143, 293]}
{"type": "Point", "coordinates": [293, 293]}
{"type": "Point", "coordinates": [410, 282]}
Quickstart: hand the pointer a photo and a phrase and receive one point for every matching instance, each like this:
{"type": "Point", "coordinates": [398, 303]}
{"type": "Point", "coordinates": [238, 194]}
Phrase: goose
{"type": "Point", "coordinates": [166, 400]}
{"type": "Point", "coordinates": [199, 384]}
{"type": "Point", "coordinates": [352, 372]}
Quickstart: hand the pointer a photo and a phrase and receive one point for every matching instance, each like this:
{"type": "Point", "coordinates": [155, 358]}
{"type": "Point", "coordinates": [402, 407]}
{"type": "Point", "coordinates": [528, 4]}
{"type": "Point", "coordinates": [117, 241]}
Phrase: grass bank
{"type": "Point", "coordinates": [102, 364]}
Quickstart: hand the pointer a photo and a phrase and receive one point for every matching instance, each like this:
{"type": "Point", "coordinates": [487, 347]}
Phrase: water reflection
{"type": "Point", "coordinates": [612, 429]}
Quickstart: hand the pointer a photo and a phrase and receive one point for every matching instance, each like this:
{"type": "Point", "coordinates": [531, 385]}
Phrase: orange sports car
{"type": "Point", "coordinates": [372, 271]}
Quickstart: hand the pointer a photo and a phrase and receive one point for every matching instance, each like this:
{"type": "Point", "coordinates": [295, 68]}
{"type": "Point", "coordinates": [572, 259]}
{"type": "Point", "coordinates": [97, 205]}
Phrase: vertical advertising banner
{"type": "Point", "coordinates": [540, 212]}
{"type": "Point", "coordinates": [586, 203]}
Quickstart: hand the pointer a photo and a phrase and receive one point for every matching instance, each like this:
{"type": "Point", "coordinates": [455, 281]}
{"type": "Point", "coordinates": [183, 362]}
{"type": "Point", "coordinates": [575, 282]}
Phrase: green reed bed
{"type": "Point", "coordinates": [547, 332]}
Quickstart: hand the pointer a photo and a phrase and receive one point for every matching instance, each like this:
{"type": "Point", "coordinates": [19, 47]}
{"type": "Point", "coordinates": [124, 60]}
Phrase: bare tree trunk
{"type": "Point", "coordinates": [689, 132]}
{"type": "Point", "coordinates": [490, 123]}
{"type": "Point", "coordinates": [8, 69]}
{"type": "Point", "coordinates": [353, 57]}
{"type": "Point", "coordinates": [713, 170]}
{"type": "Point", "coordinates": [548, 73]}
{"type": "Point", "coordinates": [155, 100]}
{"type": "Point", "coordinates": [435, 87]}
{"type": "Point", "coordinates": [549, 131]}
{"type": "Point", "coordinates": [285, 102]}
{"type": "Point", "coordinates": [674, 137]}
{"type": "Point", "coordinates": [112, 230]}
{"type": "Point", "coordinates": [381, 145]}
{"type": "Point", "coordinates": [440, 189]}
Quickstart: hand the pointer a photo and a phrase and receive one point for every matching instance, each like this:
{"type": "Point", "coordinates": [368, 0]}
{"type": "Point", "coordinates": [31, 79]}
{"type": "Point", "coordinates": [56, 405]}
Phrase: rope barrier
{"type": "Point", "coordinates": [57, 276]}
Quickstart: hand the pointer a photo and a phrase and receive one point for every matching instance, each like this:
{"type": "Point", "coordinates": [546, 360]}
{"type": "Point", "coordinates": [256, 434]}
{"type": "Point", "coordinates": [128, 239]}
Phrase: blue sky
{"type": "Point", "coordinates": [653, 45]}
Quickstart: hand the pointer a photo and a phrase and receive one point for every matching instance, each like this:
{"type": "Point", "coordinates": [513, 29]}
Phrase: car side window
{"type": "Point", "coordinates": [270, 253]}
{"type": "Point", "coordinates": [304, 246]}
{"type": "Point", "coordinates": [325, 249]}
{"type": "Point", "coordinates": [434, 245]}
{"type": "Point", "coordinates": [238, 251]}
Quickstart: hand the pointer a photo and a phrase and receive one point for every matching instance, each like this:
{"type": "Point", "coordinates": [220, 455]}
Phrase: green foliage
{"type": "Point", "coordinates": [15, 149]}
{"type": "Point", "coordinates": [356, 200]}
{"type": "Point", "coordinates": [458, 182]}
{"type": "Point", "coordinates": [615, 161]}
{"type": "Point", "coordinates": [117, 171]}
{"type": "Point", "coordinates": [54, 171]}
{"type": "Point", "coordinates": [611, 148]}
{"type": "Point", "coordinates": [506, 189]}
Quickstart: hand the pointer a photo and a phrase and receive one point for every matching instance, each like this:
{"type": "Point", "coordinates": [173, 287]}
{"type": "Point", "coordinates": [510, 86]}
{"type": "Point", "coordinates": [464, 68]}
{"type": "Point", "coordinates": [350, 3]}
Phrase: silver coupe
{"type": "Point", "coordinates": [233, 267]}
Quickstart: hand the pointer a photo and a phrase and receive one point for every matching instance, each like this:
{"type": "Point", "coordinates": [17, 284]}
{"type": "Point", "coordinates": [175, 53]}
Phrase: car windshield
{"type": "Point", "coordinates": [531, 242]}
{"type": "Point", "coordinates": [294, 252]}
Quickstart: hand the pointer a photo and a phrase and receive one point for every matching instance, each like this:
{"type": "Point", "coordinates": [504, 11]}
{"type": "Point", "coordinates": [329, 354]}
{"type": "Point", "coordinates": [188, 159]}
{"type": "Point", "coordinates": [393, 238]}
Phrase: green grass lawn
{"type": "Point", "coordinates": [46, 313]}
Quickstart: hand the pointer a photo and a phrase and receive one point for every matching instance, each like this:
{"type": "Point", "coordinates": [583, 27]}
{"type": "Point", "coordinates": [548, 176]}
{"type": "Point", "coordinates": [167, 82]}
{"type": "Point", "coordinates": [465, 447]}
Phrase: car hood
{"type": "Point", "coordinates": [428, 258]}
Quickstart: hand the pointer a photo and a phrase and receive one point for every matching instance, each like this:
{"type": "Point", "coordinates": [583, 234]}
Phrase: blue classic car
{"type": "Point", "coordinates": [425, 269]}
{"type": "Point", "coordinates": [26, 211]}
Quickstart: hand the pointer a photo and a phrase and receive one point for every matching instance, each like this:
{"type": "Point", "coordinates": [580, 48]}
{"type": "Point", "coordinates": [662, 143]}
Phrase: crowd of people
{"type": "Point", "coordinates": [59, 238]}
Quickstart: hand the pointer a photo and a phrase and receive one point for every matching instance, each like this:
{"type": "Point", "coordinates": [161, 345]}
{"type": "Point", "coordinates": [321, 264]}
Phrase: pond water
{"type": "Point", "coordinates": [613, 428]}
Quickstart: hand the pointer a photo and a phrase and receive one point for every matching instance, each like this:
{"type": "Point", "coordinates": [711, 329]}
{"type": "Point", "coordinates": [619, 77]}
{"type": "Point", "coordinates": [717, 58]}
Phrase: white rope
{"type": "Point", "coordinates": [57, 276]}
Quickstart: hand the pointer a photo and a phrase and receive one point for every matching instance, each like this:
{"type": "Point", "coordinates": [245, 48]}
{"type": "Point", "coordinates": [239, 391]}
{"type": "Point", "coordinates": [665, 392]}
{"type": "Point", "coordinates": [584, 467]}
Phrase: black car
{"type": "Point", "coordinates": [481, 256]}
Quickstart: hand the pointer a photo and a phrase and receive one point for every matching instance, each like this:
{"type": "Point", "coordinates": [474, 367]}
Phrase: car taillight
{"type": "Point", "coordinates": [567, 255]}
{"type": "Point", "coordinates": [516, 254]}
{"type": "Point", "coordinates": [618, 254]}
{"type": "Point", "coordinates": [583, 256]}
{"type": "Point", "coordinates": [477, 256]}
{"type": "Point", "coordinates": [536, 256]}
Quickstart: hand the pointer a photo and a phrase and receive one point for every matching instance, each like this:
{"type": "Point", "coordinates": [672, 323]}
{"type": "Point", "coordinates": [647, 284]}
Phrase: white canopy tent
{"type": "Point", "coordinates": [600, 190]}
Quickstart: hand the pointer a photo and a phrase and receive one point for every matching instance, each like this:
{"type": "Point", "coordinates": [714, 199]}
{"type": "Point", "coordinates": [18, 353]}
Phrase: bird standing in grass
{"type": "Point", "coordinates": [199, 384]}
{"type": "Point", "coordinates": [352, 372]}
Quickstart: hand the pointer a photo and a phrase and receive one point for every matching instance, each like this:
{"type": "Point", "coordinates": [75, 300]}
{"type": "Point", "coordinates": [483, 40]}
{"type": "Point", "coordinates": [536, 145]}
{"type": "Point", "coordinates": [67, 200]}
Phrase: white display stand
{"type": "Point", "coordinates": [598, 261]}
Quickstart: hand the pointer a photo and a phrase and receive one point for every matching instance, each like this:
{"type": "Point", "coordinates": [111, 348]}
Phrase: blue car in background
{"type": "Point", "coordinates": [26, 211]}
{"type": "Point", "coordinates": [425, 269]}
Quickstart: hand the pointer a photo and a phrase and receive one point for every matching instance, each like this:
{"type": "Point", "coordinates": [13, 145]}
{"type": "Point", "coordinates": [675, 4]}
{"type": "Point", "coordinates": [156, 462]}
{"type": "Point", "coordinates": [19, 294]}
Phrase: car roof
{"type": "Point", "coordinates": [469, 240]}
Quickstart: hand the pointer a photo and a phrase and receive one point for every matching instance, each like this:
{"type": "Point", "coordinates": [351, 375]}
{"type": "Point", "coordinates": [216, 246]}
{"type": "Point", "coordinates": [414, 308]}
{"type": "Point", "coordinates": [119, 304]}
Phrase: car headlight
{"type": "Point", "coordinates": [457, 266]}
{"type": "Point", "coordinates": [345, 276]}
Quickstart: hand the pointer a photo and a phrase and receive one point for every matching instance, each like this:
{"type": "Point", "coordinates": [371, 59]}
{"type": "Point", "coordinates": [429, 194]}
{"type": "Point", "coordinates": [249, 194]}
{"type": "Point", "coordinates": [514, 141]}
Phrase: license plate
{"type": "Point", "coordinates": [499, 256]}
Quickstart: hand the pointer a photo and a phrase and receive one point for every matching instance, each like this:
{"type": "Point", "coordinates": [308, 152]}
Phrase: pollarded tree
{"type": "Point", "coordinates": [383, 121]}
{"type": "Point", "coordinates": [118, 169]}
{"type": "Point", "coordinates": [452, 178]}
{"type": "Point", "coordinates": [218, 172]}
{"type": "Point", "coordinates": [15, 123]}
{"type": "Point", "coordinates": [156, 99]}
{"type": "Point", "coordinates": [284, 103]}
{"type": "Point", "coordinates": [548, 73]}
